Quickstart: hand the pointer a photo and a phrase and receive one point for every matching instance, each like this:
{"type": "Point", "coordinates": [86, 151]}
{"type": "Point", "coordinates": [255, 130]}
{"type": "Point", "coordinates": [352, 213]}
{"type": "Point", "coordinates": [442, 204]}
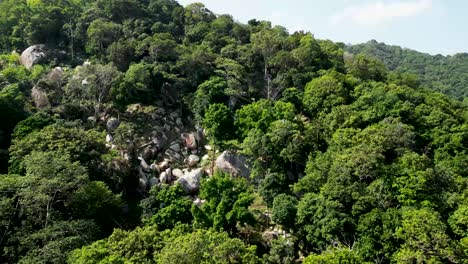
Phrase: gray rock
{"type": "Point", "coordinates": [92, 119]}
{"type": "Point", "coordinates": [164, 178]}
{"type": "Point", "coordinates": [143, 174]}
{"type": "Point", "coordinates": [153, 181]}
{"type": "Point", "coordinates": [191, 181]}
{"type": "Point", "coordinates": [173, 156]}
{"type": "Point", "coordinates": [189, 141]}
{"type": "Point", "coordinates": [198, 202]}
{"type": "Point", "coordinates": [169, 172]}
{"type": "Point", "coordinates": [154, 167]}
{"type": "Point", "coordinates": [174, 115]}
{"type": "Point", "coordinates": [177, 173]}
{"type": "Point", "coordinates": [56, 74]}
{"type": "Point", "coordinates": [144, 165]}
{"type": "Point", "coordinates": [175, 147]}
{"type": "Point", "coordinates": [270, 235]}
{"type": "Point", "coordinates": [200, 136]}
{"type": "Point", "coordinates": [112, 124]}
{"type": "Point", "coordinates": [33, 55]}
{"type": "Point", "coordinates": [160, 140]}
{"type": "Point", "coordinates": [233, 164]}
{"type": "Point", "coordinates": [179, 122]}
{"type": "Point", "coordinates": [163, 165]}
{"type": "Point", "coordinates": [109, 138]}
{"type": "Point", "coordinates": [142, 184]}
{"type": "Point", "coordinates": [149, 152]}
{"type": "Point", "coordinates": [193, 160]}
{"type": "Point", "coordinates": [39, 97]}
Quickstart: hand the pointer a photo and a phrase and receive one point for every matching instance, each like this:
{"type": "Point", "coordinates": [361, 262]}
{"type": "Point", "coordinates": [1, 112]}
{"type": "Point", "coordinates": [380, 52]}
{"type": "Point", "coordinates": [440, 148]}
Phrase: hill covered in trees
{"type": "Point", "coordinates": [446, 74]}
{"type": "Point", "coordinates": [142, 131]}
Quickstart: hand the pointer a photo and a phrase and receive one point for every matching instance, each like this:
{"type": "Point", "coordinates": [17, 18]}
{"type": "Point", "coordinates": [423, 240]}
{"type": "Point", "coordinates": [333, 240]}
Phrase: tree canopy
{"type": "Point", "coordinates": [143, 131]}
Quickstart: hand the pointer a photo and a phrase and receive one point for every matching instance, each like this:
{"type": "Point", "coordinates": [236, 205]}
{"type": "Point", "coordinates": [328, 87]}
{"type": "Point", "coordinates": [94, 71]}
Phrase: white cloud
{"type": "Point", "coordinates": [379, 12]}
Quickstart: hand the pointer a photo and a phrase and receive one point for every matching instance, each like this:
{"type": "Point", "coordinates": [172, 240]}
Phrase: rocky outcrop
{"type": "Point", "coordinates": [177, 173]}
{"type": "Point", "coordinates": [192, 160]}
{"type": "Point", "coordinates": [112, 124]}
{"type": "Point", "coordinates": [191, 181]}
{"type": "Point", "coordinates": [56, 74]}
{"type": "Point", "coordinates": [189, 141]}
{"type": "Point", "coordinates": [33, 55]}
{"type": "Point", "coordinates": [39, 97]}
{"type": "Point", "coordinates": [233, 164]}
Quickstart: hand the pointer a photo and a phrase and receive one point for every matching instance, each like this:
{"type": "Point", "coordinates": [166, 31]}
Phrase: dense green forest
{"type": "Point", "coordinates": [445, 74]}
{"type": "Point", "coordinates": [142, 131]}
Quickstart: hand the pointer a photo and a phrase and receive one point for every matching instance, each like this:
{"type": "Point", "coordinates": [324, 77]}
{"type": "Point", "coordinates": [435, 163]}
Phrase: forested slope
{"type": "Point", "coordinates": [142, 131]}
{"type": "Point", "coordinates": [446, 74]}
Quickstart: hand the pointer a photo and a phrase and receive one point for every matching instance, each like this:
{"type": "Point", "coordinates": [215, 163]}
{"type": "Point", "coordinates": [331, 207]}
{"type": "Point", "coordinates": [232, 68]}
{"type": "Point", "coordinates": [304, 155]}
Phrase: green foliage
{"type": "Point", "coordinates": [42, 223]}
{"type": "Point", "coordinates": [446, 74]}
{"type": "Point", "coordinates": [57, 240]}
{"type": "Point", "coordinates": [324, 93]}
{"type": "Point", "coordinates": [340, 255]}
{"type": "Point", "coordinates": [136, 86]}
{"type": "Point", "coordinates": [284, 210]}
{"type": "Point", "coordinates": [147, 245]}
{"type": "Point", "coordinates": [377, 234]}
{"type": "Point", "coordinates": [80, 145]}
{"type": "Point", "coordinates": [95, 200]}
{"type": "Point", "coordinates": [261, 114]}
{"type": "Point", "coordinates": [366, 68]}
{"type": "Point", "coordinates": [219, 123]}
{"type": "Point", "coordinates": [321, 220]}
{"type": "Point", "coordinates": [209, 92]}
{"type": "Point", "coordinates": [424, 238]}
{"type": "Point", "coordinates": [31, 124]}
{"type": "Point", "coordinates": [101, 34]}
{"type": "Point", "coordinates": [377, 160]}
{"type": "Point", "coordinates": [281, 252]}
{"type": "Point", "coordinates": [137, 246]}
{"type": "Point", "coordinates": [12, 110]}
{"type": "Point", "coordinates": [206, 247]}
{"type": "Point", "coordinates": [458, 221]}
{"type": "Point", "coordinates": [166, 206]}
{"type": "Point", "coordinates": [227, 204]}
{"type": "Point", "coordinates": [273, 185]}
{"type": "Point", "coordinates": [92, 86]}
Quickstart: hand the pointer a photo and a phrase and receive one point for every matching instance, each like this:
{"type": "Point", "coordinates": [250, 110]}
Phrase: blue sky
{"type": "Point", "coordinates": [432, 26]}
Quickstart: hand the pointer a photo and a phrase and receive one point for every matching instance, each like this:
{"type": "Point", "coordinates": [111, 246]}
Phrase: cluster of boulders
{"type": "Point", "coordinates": [180, 164]}
{"type": "Point", "coordinates": [171, 156]}
{"type": "Point", "coordinates": [168, 150]}
{"type": "Point", "coordinates": [166, 153]}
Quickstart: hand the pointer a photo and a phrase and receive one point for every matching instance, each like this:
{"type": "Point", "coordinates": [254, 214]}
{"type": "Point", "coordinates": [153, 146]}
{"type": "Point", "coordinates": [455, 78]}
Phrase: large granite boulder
{"type": "Point", "coordinates": [233, 164]}
{"type": "Point", "coordinates": [39, 97]}
{"type": "Point", "coordinates": [189, 140]}
{"type": "Point", "coordinates": [56, 74]}
{"type": "Point", "coordinates": [33, 55]}
{"type": "Point", "coordinates": [192, 160]}
{"type": "Point", "coordinates": [191, 181]}
{"type": "Point", "coordinates": [112, 124]}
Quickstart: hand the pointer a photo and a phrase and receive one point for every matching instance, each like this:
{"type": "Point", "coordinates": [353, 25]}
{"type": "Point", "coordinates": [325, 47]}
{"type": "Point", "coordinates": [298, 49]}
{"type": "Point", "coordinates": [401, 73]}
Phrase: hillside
{"type": "Point", "coordinates": [446, 74]}
{"type": "Point", "coordinates": [142, 131]}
